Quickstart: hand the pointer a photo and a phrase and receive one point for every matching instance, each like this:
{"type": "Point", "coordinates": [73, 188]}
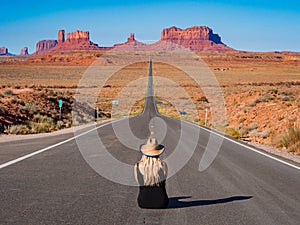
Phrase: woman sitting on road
{"type": "Point", "coordinates": [151, 173]}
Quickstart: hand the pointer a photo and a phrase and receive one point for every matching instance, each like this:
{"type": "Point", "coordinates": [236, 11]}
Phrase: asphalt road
{"type": "Point", "coordinates": [58, 186]}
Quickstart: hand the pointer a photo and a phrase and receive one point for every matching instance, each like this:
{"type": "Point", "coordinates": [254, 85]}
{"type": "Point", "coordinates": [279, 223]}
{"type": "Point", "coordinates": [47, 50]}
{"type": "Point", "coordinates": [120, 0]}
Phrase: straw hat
{"type": "Point", "coordinates": [152, 148]}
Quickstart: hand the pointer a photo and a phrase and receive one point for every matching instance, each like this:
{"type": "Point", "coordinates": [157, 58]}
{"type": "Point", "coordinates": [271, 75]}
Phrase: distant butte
{"type": "Point", "coordinates": [77, 40]}
{"type": "Point", "coordinates": [24, 51]}
{"type": "Point", "coordinates": [196, 38]}
{"type": "Point", "coordinates": [3, 51]}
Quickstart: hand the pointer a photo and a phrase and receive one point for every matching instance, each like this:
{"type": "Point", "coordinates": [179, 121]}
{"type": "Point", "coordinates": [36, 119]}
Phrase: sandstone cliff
{"type": "Point", "coordinates": [45, 45]}
{"type": "Point", "coordinates": [78, 35]}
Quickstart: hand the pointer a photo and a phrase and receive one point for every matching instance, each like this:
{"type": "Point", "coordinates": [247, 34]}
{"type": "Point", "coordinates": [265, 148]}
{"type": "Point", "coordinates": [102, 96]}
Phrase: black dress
{"type": "Point", "coordinates": [152, 197]}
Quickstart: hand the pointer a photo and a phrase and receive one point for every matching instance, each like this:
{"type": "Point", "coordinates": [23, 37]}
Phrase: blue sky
{"type": "Point", "coordinates": [245, 25]}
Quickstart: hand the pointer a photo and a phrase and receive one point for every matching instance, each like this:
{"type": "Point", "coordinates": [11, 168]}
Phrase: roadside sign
{"type": "Point", "coordinates": [115, 102]}
{"type": "Point", "coordinates": [60, 103]}
{"type": "Point", "coordinates": [182, 113]}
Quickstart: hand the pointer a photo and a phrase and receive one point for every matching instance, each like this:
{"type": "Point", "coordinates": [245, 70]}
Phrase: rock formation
{"type": "Point", "coordinates": [45, 45]}
{"type": "Point", "coordinates": [61, 36]}
{"type": "Point", "coordinates": [131, 44]}
{"type": "Point", "coordinates": [24, 51]}
{"type": "Point", "coordinates": [197, 38]}
{"type": "Point", "coordinates": [78, 36]}
{"type": "Point", "coordinates": [131, 38]}
{"type": "Point", "coordinates": [77, 40]}
{"type": "Point", "coordinates": [3, 51]}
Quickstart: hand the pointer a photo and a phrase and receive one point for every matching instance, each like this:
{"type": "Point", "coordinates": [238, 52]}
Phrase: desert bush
{"type": "Point", "coordinates": [291, 139]}
{"type": "Point", "coordinates": [18, 129]}
{"type": "Point", "coordinates": [286, 93]}
{"type": "Point", "coordinates": [243, 131]}
{"type": "Point", "coordinates": [17, 87]}
{"type": "Point", "coordinates": [31, 107]}
{"type": "Point", "coordinates": [203, 99]}
{"type": "Point", "coordinates": [42, 119]}
{"type": "Point", "coordinates": [8, 92]}
{"type": "Point", "coordinates": [14, 100]}
{"type": "Point", "coordinates": [273, 91]}
{"type": "Point", "coordinates": [286, 98]}
{"type": "Point", "coordinates": [231, 131]}
{"type": "Point", "coordinates": [41, 124]}
{"type": "Point", "coordinates": [252, 126]}
{"type": "Point", "coordinates": [3, 110]}
{"type": "Point", "coordinates": [42, 95]}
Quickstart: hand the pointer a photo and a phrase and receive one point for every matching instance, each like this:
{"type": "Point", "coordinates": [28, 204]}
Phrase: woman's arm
{"type": "Point", "coordinates": [135, 173]}
{"type": "Point", "coordinates": [165, 169]}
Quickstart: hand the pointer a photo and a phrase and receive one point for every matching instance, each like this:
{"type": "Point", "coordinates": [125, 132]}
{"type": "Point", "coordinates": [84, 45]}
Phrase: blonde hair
{"type": "Point", "coordinates": [151, 167]}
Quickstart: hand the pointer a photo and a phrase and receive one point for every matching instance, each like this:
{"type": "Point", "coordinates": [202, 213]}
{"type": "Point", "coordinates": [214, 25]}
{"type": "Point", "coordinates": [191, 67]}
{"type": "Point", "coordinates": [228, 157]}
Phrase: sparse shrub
{"type": "Point", "coordinates": [291, 139]}
{"type": "Point", "coordinates": [252, 126]}
{"type": "Point", "coordinates": [286, 98]}
{"type": "Point", "coordinates": [273, 91]}
{"type": "Point", "coordinates": [42, 119]}
{"type": "Point", "coordinates": [243, 131]}
{"type": "Point", "coordinates": [18, 129]}
{"type": "Point", "coordinates": [42, 95]}
{"type": "Point", "coordinates": [59, 124]}
{"type": "Point", "coordinates": [31, 107]}
{"type": "Point", "coordinates": [8, 92]}
{"type": "Point", "coordinates": [41, 124]}
{"type": "Point", "coordinates": [17, 87]}
{"type": "Point", "coordinates": [232, 132]}
{"type": "Point", "coordinates": [203, 99]}
{"type": "Point", "coordinates": [14, 100]}
{"type": "Point", "coordinates": [286, 93]}
{"type": "Point", "coordinates": [21, 102]}
{"type": "Point", "coordinates": [3, 110]}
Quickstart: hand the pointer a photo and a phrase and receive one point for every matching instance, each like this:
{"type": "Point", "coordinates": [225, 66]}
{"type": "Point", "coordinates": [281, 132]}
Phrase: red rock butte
{"type": "Point", "coordinates": [77, 40]}
{"type": "Point", "coordinates": [3, 51]}
{"type": "Point", "coordinates": [197, 38]}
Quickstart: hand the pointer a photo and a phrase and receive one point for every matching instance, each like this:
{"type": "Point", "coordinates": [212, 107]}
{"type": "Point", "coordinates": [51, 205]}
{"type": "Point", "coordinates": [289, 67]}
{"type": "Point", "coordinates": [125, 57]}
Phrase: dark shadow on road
{"type": "Point", "coordinates": [176, 203]}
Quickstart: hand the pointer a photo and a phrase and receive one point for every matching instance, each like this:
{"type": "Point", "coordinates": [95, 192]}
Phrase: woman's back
{"type": "Point", "coordinates": [152, 195]}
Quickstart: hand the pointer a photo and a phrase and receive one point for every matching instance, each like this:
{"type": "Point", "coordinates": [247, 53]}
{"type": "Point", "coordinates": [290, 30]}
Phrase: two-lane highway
{"type": "Point", "coordinates": [57, 186]}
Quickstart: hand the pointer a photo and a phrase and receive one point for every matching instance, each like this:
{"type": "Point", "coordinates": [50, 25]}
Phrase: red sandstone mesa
{"type": "Point", "coordinates": [197, 38]}
{"type": "Point", "coordinates": [45, 45]}
{"type": "Point", "coordinates": [77, 40]}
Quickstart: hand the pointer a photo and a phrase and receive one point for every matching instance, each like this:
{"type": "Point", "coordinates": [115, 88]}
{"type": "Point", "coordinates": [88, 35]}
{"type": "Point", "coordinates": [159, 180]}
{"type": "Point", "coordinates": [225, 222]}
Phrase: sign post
{"type": "Point", "coordinates": [60, 103]}
{"type": "Point", "coordinates": [205, 121]}
{"type": "Point", "coordinates": [96, 114]}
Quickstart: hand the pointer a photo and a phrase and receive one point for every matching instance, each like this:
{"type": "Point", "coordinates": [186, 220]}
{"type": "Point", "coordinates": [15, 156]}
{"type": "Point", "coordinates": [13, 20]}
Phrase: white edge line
{"type": "Point", "coordinates": [53, 146]}
{"type": "Point", "coordinates": [95, 128]}
{"type": "Point", "coordinates": [245, 146]}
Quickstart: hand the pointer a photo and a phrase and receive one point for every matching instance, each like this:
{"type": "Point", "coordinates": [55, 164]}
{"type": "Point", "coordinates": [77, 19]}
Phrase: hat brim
{"type": "Point", "coordinates": [158, 150]}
